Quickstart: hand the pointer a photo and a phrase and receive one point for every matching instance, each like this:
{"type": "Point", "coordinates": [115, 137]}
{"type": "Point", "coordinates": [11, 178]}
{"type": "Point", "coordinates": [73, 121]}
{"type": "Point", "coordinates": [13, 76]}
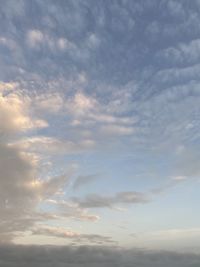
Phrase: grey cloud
{"type": "Point", "coordinates": [99, 201]}
{"type": "Point", "coordinates": [83, 180]}
{"type": "Point", "coordinates": [74, 236]}
{"type": "Point", "coordinates": [177, 75]}
{"type": "Point", "coordinates": [42, 256]}
{"type": "Point", "coordinates": [21, 191]}
{"type": "Point", "coordinates": [183, 53]}
{"type": "Point", "coordinates": [73, 211]}
{"type": "Point", "coordinates": [188, 163]}
{"type": "Point", "coordinates": [52, 186]}
{"type": "Point", "coordinates": [18, 200]}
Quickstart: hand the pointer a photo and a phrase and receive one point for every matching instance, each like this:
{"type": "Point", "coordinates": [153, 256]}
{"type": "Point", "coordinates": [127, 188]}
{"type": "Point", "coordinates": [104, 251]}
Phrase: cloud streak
{"type": "Point", "coordinates": [99, 201]}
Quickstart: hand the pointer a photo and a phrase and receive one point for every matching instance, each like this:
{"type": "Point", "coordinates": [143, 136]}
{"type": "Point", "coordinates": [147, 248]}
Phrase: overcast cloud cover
{"type": "Point", "coordinates": [99, 132]}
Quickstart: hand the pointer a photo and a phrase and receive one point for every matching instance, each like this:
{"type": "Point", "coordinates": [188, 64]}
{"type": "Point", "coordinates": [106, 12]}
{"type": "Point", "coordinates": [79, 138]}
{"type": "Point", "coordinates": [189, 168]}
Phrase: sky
{"type": "Point", "coordinates": [99, 130]}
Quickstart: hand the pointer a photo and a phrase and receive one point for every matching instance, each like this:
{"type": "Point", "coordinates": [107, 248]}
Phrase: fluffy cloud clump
{"type": "Point", "coordinates": [18, 170]}
{"type": "Point", "coordinates": [14, 116]}
{"type": "Point", "coordinates": [22, 191]}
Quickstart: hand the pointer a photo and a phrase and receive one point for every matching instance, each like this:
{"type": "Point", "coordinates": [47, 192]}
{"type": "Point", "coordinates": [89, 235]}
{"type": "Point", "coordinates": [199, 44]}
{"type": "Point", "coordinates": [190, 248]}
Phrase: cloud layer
{"type": "Point", "coordinates": [20, 256]}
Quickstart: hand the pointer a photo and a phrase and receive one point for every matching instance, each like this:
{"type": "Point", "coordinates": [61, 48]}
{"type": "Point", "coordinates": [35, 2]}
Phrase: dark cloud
{"type": "Point", "coordinates": [42, 256]}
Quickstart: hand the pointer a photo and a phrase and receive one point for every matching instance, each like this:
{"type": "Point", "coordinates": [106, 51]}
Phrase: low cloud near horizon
{"type": "Point", "coordinates": [43, 256]}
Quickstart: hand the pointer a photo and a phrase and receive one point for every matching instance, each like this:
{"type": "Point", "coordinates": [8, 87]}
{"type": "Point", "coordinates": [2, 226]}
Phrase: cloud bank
{"type": "Point", "coordinates": [41, 256]}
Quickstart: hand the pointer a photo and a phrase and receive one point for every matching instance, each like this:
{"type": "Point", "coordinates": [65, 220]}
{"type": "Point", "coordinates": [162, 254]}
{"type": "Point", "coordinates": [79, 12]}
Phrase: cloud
{"type": "Point", "coordinates": [124, 96]}
{"type": "Point", "coordinates": [6, 87]}
{"type": "Point", "coordinates": [72, 210]}
{"type": "Point", "coordinates": [99, 201]}
{"type": "Point", "coordinates": [48, 188]}
{"type": "Point", "coordinates": [88, 112]}
{"type": "Point", "coordinates": [22, 190]}
{"type": "Point", "coordinates": [17, 169]}
{"type": "Point", "coordinates": [36, 39]}
{"type": "Point", "coordinates": [116, 130]}
{"type": "Point", "coordinates": [179, 178]}
{"type": "Point", "coordinates": [54, 231]}
{"type": "Point", "coordinates": [68, 234]}
{"type": "Point", "coordinates": [49, 102]}
{"type": "Point", "coordinates": [80, 104]}
{"type": "Point", "coordinates": [14, 115]}
{"type": "Point", "coordinates": [183, 53]}
{"type": "Point", "coordinates": [20, 256]}
{"type": "Point", "coordinates": [83, 180]}
{"type": "Point", "coordinates": [18, 200]}
{"type": "Point", "coordinates": [176, 239]}
{"type": "Point", "coordinates": [177, 75]}
{"type": "Point", "coordinates": [187, 163]}
{"type": "Point", "coordinates": [21, 193]}
{"type": "Point", "coordinates": [53, 146]}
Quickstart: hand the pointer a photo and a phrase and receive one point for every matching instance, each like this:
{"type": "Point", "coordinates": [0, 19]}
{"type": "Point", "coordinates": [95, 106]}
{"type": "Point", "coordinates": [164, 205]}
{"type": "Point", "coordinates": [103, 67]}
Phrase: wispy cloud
{"type": "Point", "coordinates": [75, 236]}
{"type": "Point", "coordinates": [84, 180]}
{"type": "Point", "coordinates": [99, 201]}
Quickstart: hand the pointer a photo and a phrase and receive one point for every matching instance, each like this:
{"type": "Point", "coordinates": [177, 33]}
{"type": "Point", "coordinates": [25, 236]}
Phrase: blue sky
{"type": "Point", "coordinates": [99, 123]}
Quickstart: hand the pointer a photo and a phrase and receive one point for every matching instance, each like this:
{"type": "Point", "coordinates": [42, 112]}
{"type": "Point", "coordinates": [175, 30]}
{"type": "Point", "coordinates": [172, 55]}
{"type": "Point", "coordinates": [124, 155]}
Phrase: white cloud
{"type": "Point", "coordinates": [35, 38]}
{"type": "Point", "coordinates": [14, 115]}
{"type": "Point", "coordinates": [49, 102]}
{"type": "Point", "coordinates": [116, 130]}
{"type": "Point", "coordinates": [87, 112]}
{"type": "Point", "coordinates": [22, 189]}
{"type": "Point", "coordinates": [64, 44]}
{"type": "Point", "coordinates": [81, 104]}
{"type": "Point", "coordinates": [18, 201]}
{"type": "Point", "coordinates": [93, 41]}
{"type": "Point", "coordinates": [179, 178]}
{"type": "Point", "coordinates": [6, 87]}
{"type": "Point", "coordinates": [75, 236]}
{"type": "Point", "coordinates": [54, 231]}
{"type": "Point", "coordinates": [52, 146]}
{"type": "Point", "coordinates": [73, 210]}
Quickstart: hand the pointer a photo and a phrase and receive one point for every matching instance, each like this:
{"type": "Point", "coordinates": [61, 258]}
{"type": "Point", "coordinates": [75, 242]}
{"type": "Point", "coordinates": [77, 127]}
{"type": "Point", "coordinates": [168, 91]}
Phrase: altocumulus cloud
{"type": "Point", "coordinates": [42, 256]}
